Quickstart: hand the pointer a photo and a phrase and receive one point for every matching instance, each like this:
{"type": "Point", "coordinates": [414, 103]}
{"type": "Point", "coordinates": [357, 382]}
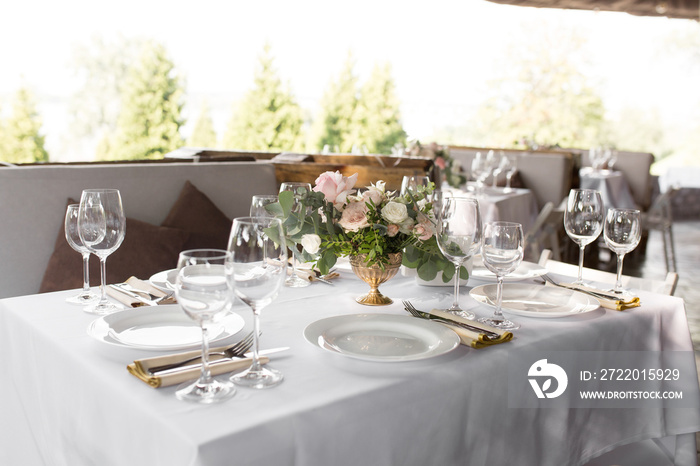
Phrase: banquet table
{"type": "Point", "coordinates": [67, 399]}
{"type": "Point", "coordinates": [612, 186]}
{"type": "Point", "coordinates": [519, 205]}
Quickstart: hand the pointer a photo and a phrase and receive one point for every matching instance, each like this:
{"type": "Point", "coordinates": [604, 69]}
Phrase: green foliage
{"type": "Point", "coordinates": [150, 116]}
{"type": "Point", "coordinates": [203, 134]}
{"type": "Point", "coordinates": [377, 119]}
{"type": "Point", "coordinates": [21, 140]}
{"type": "Point", "coordinates": [269, 118]}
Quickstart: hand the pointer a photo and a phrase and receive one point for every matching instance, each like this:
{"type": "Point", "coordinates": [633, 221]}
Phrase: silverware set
{"type": "Point", "coordinates": [426, 315]}
{"type": "Point", "coordinates": [140, 295]}
{"type": "Point", "coordinates": [595, 294]}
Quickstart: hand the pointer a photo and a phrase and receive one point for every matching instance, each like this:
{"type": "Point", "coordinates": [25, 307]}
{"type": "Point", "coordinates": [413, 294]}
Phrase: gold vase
{"type": "Point", "coordinates": [375, 276]}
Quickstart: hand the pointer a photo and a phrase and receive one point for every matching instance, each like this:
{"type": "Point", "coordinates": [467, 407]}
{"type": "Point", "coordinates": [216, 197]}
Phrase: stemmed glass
{"type": "Point", "coordinates": [583, 221]}
{"type": "Point", "coordinates": [481, 169]}
{"type": "Point", "coordinates": [459, 236]}
{"type": "Point", "coordinates": [502, 253]}
{"type": "Point", "coordinates": [259, 266]}
{"type": "Point", "coordinates": [622, 234]}
{"type": "Point", "coordinates": [299, 190]}
{"type": "Point", "coordinates": [500, 164]}
{"type": "Point", "coordinates": [73, 238]}
{"type": "Point", "coordinates": [203, 290]}
{"type": "Point", "coordinates": [411, 183]}
{"type": "Point", "coordinates": [101, 227]}
{"type": "Point", "coordinates": [510, 167]}
{"type": "Point", "coordinates": [258, 203]}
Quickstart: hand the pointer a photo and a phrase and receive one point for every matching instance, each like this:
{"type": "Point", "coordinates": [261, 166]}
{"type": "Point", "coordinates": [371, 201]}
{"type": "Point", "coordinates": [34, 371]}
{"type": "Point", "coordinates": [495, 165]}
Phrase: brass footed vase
{"type": "Point", "coordinates": [375, 276]}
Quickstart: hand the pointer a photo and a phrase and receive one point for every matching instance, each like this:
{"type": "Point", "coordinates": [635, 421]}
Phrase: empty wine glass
{"type": "Point", "coordinates": [258, 203]}
{"type": "Point", "coordinates": [481, 170]}
{"type": "Point", "coordinates": [203, 290]}
{"type": "Point", "coordinates": [583, 221]}
{"type": "Point", "coordinates": [101, 227]}
{"type": "Point", "coordinates": [298, 210]}
{"type": "Point", "coordinates": [502, 253]}
{"type": "Point", "coordinates": [86, 296]}
{"type": "Point", "coordinates": [259, 266]}
{"type": "Point", "coordinates": [510, 168]}
{"type": "Point", "coordinates": [459, 236]}
{"type": "Point", "coordinates": [411, 183]}
{"type": "Point", "coordinates": [622, 234]}
{"type": "Point", "coordinates": [500, 165]}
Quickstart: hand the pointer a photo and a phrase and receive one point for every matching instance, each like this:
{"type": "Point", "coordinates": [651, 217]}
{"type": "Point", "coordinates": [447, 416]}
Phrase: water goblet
{"type": "Point", "coordinates": [500, 165]}
{"type": "Point", "coordinates": [481, 169]}
{"type": "Point", "coordinates": [510, 168]}
{"type": "Point", "coordinates": [459, 236]}
{"type": "Point", "coordinates": [203, 290]}
{"type": "Point", "coordinates": [258, 203]}
{"type": "Point", "coordinates": [259, 268]}
{"type": "Point", "coordinates": [101, 227]}
{"type": "Point", "coordinates": [622, 234]}
{"type": "Point", "coordinates": [502, 253]}
{"type": "Point", "coordinates": [300, 212]}
{"type": "Point", "coordinates": [86, 296]}
{"type": "Point", "coordinates": [583, 221]}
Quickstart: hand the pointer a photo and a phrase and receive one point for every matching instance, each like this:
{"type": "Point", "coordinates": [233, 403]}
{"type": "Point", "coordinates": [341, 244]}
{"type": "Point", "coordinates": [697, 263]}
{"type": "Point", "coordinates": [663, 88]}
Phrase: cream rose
{"type": "Point", "coordinates": [311, 243]}
{"type": "Point", "coordinates": [395, 212]}
{"type": "Point", "coordinates": [354, 217]}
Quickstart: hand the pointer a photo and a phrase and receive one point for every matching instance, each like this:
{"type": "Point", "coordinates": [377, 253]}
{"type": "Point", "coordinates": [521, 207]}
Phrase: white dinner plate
{"type": "Point", "coordinates": [536, 300]}
{"type": "Point", "coordinates": [165, 280]}
{"type": "Point", "coordinates": [381, 337]}
{"type": "Point", "coordinates": [162, 328]}
{"type": "Point", "coordinates": [524, 271]}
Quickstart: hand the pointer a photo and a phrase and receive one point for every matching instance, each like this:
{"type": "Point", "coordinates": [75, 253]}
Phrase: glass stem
{"type": "Point", "coordinates": [86, 273]}
{"type": "Point", "coordinates": [455, 304]}
{"type": "Point", "coordinates": [255, 367]}
{"type": "Point", "coordinates": [103, 280]}
{"type": "Point", "coordinates": [618, 281]}
{"type": "Point", "coordinates": [509, 175]}
{"type": "Point", "coordinates": [205, 376]}
{"type": "Point", "coordinates": [580, 264]}
{"type": "Point", "coordinates": [499, 298]}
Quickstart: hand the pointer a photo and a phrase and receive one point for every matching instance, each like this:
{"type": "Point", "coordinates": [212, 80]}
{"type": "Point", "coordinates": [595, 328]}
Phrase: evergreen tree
{"type": "Point", "coordinates": [377, 119]}
{"type": "Point", "coordinates": [268, 118]}
{"type": "Point", "coordinates": [334, 125]}
{"type": "Point", "coordinates": [203, 134]}
{"type": "Point", "coordinates": [149, 119]}
{"type": "Point", "coordinates": [21, 140]}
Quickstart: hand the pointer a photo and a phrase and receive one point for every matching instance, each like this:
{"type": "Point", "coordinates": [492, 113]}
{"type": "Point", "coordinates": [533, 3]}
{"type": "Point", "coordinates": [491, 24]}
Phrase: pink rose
{"type": "Point", "coordinates": [335, 187]}
{"type": "Point", "coordinates": [392, 230]}
{"type": "Point", "coordinates": [440, 162]}
{"type": "Point", "coordinates": [375, 193]}
{"type": "Point", "coordinates": [425, 229]}
{"type": "Point", "coordinates": [354, 217]}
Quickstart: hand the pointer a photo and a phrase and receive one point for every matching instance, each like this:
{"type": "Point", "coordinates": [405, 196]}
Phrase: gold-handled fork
{"type": "Point", "coordinates": [237, 350]}
{"type": "Point", "coordinates": [426, 315]}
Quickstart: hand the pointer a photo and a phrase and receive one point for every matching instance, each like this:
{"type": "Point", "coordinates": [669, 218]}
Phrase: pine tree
{"type": "Point", "coordinates": [334, 125]}
{"type": "Point", "coordinates": [268, 118]}
{"type": "Point", "coordinates": [149, 119]}
{"type": "Point", "coordinates": [22, 140]}
{"type": "Point", "coordinates": [203, 134]}
{"type": "Point", "coordinates": [377, 119]}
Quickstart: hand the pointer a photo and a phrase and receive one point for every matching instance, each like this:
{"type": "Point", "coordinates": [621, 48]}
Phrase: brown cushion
{"type": "Point", "coordinates": [146, 250]}
{"type": "Point", "coordinates": [195, 213]}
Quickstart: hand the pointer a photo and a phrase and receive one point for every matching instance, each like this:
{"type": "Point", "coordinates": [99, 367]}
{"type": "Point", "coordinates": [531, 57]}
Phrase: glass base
{"type": "Point", "coordinates": [263, 378]}
{"type": "Point", "coordinates": [102, 309]}
{"type": "Point", "coordinates": [206, 393]}
{"type": "Point", "coordinates": [83, 298]}
{"type": "Point", "coordinates": [462, 313]}
{"type": "Point", "coordinates": [293, 281]}
{"type": "Point", "coordinates": [500, 323]}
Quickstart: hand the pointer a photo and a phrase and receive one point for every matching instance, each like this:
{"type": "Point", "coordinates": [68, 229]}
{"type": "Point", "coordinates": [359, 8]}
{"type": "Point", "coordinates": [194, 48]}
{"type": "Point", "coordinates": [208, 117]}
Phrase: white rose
{"type": "Point", "coordinates": [395, 212]}
{"type": "Point", "coordinates": [311, 243]}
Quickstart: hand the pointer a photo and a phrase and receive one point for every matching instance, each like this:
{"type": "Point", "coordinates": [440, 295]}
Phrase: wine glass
{"type": "Point", "coordinates": [500, 164]}
{"type": "Point", "coordinates": [411, 183]}
{"type": "Point", "coordinates": [258, 203]}
{"type": "Point", "coordinates": [459, 236]}
{"type": "Point", "coordinates": [259, 268]}
{"type": "Point", "coordinates": [203, 290]}
{"type": "Point", "coordinates": [481, 169]}
{"type": "Point", "coordinates": [101, 227]}
{"type": "Point", "coordinates": [502, 253]}
{"type": "Point", "coordinates": [583, 221]}
{"type": "Point", "coordinates": [622, 234]}
{"type": "Point", "coordinates": [299, 190]}
{"type": "Point", "coordinates": [73, 238]}
{"type": "Point", "coordinates": [510, 168]}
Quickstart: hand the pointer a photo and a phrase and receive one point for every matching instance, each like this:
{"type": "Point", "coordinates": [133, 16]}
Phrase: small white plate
{"type": "Point", "coordinates": [165, 280]}
{"type": "Point", "coordinates": [161, 328]}
{"type": "Point", "coordinates": [381, 337]}
{"type": "Point", "coordinates": [536, 300]}
{"type": "Point", "coordinates": [524, 271]}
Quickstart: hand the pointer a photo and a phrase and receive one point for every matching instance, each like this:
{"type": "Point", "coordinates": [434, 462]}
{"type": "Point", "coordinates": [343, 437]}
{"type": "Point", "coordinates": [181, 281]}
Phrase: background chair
{"type": "Point", "coordinates": [667, 286]}
{"type": "Point", "coordinates": [660, 217]}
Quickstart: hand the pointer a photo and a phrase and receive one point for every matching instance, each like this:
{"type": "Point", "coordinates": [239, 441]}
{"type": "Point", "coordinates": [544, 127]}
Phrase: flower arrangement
{"type": "Point", "coordinates": [336, 220]}
{"type": "Point", "coordinates": [441, 155]}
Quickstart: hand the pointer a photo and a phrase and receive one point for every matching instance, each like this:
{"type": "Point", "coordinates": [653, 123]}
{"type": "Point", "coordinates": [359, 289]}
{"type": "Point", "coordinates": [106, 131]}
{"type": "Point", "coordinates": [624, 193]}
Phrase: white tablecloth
{"type": "Point", "coordinates": [519, 205]}
{"type": "Point", "coordinates": [612, 186]}
{"type": "Point", "coordinates": [67, 399]}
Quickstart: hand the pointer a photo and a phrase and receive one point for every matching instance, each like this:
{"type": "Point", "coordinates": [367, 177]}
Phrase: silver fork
{"type": "Point", "coordinates": [237, 350]}
{"type": "Point", "coordinates": [426, 315]}
{"type": "Point", "coordinates": [601, 295]}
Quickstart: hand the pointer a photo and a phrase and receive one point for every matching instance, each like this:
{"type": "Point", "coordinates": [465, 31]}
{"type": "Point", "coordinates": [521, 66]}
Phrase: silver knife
{"type": "Point", "coordinates": [133, 295]}
{"type": "Point", "coordinates": [199, 365]}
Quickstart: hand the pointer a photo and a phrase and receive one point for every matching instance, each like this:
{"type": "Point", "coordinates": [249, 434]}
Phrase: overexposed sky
{"type": "Point", "coordinates": [443, 52]}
